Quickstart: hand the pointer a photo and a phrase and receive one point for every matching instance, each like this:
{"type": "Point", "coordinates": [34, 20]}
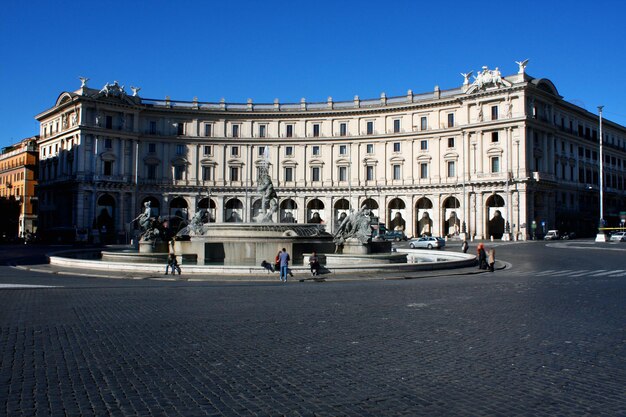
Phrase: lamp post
{"type": "Point", "coordinates": [601, 237]}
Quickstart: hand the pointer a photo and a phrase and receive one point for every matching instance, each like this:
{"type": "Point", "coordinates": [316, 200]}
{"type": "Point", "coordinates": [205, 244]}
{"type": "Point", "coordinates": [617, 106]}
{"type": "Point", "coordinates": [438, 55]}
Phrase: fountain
{"type": "Point", "coordinates": [252, 243]}
{"type": "Point", "coordinates": [241, 248]}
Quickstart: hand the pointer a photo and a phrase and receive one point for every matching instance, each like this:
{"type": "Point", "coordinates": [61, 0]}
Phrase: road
{"type": "Point", "coordinates": [544, 337]}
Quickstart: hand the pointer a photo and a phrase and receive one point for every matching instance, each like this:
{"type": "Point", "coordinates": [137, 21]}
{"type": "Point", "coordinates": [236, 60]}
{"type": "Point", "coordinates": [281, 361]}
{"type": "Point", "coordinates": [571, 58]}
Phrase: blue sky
{"type": "Point", "coordinates": [293, 49]}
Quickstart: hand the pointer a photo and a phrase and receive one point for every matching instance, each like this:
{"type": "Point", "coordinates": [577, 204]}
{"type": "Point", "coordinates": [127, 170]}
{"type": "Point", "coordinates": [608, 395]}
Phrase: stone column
{"type": "Point", "coordinates": [481, 233]}
{"type": "Point", "coordinates": [219, 209]}
{"type": "Point", "coordinates": [437, 216]}
{"type": "Point", "coordinates": [481, 154]}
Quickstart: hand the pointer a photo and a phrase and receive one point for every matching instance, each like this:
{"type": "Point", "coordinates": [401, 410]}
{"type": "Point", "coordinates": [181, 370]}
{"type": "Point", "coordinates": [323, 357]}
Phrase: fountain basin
{"type": "Point", "coordinates": [424, 260]}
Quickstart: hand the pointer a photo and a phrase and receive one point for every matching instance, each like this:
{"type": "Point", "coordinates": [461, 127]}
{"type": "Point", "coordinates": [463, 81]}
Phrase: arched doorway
{"type": "Point", "coordinates": [178, 214]}
{"type": "Point", "coordinates": [396, 210]}
{"type": "Point", "coordinates": [496, 222]}
{"type": "Point", "coordinates": [424, 217]}
{"type": "Point", "coordinates": [255, 209]}
{"type": "Point", "coordinates": [233, 211]}
{"type": "Point", "coordinates": [288, 211]}
{"type": "Point", "coordinates": [315, 211]}
{"type": "Point", "coordinates": [105, 217]}
{"type": "Point", "coordinates": [210, 207]}
{"type": "Point", "coordinates": [341, 211]}
{"type": "Point", "coordinates": [372, 205]}
{"type": "Point", "coordinates": [451, 224]}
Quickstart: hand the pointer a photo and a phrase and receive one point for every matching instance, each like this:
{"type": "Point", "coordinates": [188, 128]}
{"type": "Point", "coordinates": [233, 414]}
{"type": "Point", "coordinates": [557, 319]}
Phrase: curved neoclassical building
{"type": "Point", "coordinates": [499, 156]}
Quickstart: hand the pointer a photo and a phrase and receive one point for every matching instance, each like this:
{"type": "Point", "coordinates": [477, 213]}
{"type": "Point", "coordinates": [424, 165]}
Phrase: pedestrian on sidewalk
{"type": "Point", "coordinates": [284, 259]}
{"type": "Point", "coordinates": [482, 256]}
{"type": "Point", "coordinates": [171, 259]}
{"type": "Point", "coordinates": [464, 246]}
{"type": "Point", "coordinates": [277, 262]}
{"type": "Point", "coordinates": [492, 259]}
{"type": "Point", "coordinates": [173, 263]}
{"type": "Point", "coordinates": [314, 263]}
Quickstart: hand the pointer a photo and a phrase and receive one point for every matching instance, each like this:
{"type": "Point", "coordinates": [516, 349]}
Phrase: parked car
{"type": "Point", "coordinates": [427, 242]}
{"type": "Point", "coordinates": [552, 235]}
{"type": "Point", "coordinates": [618, 237]}
{"type": "Point", "coordinates": [395, 235]}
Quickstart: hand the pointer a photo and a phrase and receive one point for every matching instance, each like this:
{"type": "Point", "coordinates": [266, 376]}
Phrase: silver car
{"type": "Point", "coordinates": [427, 242]}
{"type": "Point", "coordinates": [618, 237]}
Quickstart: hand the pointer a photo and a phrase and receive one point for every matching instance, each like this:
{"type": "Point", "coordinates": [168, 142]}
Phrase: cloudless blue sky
{"type": "Point", "coordinates": [293, 49]}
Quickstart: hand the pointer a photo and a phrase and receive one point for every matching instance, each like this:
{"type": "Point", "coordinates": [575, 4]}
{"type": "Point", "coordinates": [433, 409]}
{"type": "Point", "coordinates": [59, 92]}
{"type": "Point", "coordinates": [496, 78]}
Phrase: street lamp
{"type": "Point", "coordinates": [601, 237]}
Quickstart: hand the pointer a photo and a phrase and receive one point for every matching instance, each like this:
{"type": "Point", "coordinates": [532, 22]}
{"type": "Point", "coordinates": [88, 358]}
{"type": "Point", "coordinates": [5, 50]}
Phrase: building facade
{"type": "Point", "coordinates": [496, 157]}
{"type": "Point", "coordinates": [19, 164]}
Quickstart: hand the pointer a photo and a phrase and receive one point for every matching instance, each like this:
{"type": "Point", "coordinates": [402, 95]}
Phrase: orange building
{"type": "Point", "coordinates": [18, 180]}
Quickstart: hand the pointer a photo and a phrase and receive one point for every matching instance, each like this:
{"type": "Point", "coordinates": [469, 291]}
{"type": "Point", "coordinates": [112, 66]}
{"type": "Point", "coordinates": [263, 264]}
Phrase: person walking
{"type": "Point", "coordinates": [464, 246]}
{"type": "Point", "coordinates": [171, 259]}
{"type": "Point", "coordinates": [492, 259]}
{"type": "Point", "coordinates": [482, 256]}
{"type": "Point", "coordinates": [284, 259]}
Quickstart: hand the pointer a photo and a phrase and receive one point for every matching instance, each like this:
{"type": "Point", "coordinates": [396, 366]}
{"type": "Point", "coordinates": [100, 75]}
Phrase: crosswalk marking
{"type": "Point", "coordinates": [603, 273]}
{"type": "Point", "coordinates": [569, 271]}
{"type": "Point", "coordinates": [582, 273]}
{"type": "Point", "coordinates": [548, 272]}
{"type": "Point", "coordinates": [574, 273]}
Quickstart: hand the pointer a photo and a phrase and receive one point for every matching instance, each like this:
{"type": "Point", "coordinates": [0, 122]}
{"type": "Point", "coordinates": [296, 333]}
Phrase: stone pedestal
{"type": "Point", "coordinates": [355, 247]}
{"type": "Point", "coordinates": [153, 247]}
{"type": "Point", "coordinates": [600, 237]}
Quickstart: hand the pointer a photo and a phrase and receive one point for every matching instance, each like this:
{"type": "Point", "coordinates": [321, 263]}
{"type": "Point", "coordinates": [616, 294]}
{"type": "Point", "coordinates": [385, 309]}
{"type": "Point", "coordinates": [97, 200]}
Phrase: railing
{"type": "Point", "coordinates": [301, 106]}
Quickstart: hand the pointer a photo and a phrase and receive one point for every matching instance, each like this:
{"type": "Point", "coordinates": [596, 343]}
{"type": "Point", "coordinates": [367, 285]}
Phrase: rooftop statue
{"type": "Point", "coordinates": [466, 77]}
{"type": "Point", "coordinates": [522, 66]}
{"type": "Point", "coordinates": [487, 76]}
{"type": "Point", "coordinates": [113, 90]}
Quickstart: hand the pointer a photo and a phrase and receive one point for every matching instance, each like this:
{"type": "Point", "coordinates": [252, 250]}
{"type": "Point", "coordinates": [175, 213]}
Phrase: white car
{"type": "Point", "coordinates": [427, 242]}
{"type": "Point", "coordinates": [618, 237]}
{"type": "Point", "coordinates": [552, 235]}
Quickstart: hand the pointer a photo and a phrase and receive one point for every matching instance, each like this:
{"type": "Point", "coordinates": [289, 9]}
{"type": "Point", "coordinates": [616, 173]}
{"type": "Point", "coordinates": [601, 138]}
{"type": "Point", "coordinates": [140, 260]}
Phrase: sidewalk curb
{"type": "Point", "coordinates": [265, 278]}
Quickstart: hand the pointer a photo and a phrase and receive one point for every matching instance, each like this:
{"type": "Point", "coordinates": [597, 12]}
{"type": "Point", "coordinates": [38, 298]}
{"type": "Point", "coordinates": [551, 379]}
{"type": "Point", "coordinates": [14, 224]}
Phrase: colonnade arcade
{"type": "Point", "coordinates": [486, 213]}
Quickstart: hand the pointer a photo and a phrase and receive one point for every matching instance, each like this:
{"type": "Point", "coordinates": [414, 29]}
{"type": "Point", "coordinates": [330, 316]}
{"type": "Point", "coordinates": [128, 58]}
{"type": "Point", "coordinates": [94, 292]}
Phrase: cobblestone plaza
{"type": "Point", "coordinates": [523, 341]}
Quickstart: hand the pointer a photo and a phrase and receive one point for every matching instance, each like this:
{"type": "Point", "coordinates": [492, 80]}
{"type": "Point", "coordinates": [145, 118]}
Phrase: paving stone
{"type": "Point", "coordinates": [495, 345]}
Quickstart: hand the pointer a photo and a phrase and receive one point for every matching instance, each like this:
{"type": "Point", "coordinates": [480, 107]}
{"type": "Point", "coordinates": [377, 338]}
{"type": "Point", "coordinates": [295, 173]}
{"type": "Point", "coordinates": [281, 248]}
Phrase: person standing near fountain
{"type": "Point", "coordinates": [283, 258]}
{"type": "Point", "coordinates": [171, 260]}
{"type": "Point", "coordinates": [314, 263]}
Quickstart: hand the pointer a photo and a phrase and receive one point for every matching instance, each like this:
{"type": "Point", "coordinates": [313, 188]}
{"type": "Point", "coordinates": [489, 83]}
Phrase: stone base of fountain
{"type": "Point", "coordinates": [253, 243]}
{"type": "Point", "coordinates": [353, 252]}
{"type": "Point", "coordinates": [153, 247]}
